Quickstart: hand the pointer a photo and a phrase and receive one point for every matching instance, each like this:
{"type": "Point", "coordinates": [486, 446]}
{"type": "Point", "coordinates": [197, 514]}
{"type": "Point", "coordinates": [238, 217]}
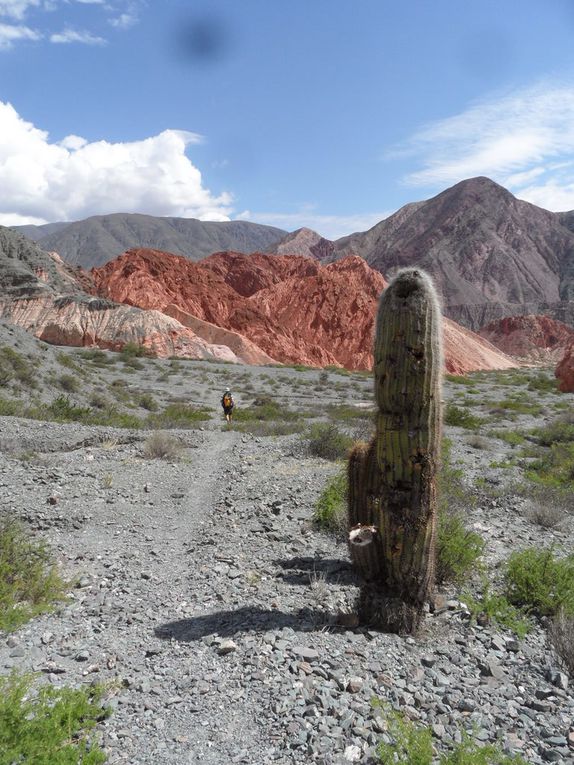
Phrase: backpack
{"type": "Point", "coordinates": [227, 400]}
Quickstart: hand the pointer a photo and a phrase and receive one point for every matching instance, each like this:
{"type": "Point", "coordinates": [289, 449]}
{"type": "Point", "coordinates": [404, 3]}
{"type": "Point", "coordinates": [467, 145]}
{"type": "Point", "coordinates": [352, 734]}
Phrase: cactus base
{"type": "Point", "coordinates": [379, 610]}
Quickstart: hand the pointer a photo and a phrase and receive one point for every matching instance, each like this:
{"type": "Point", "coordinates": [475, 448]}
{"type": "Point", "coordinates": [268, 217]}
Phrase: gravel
{"type": "Point", "coordinates": [202, 591]}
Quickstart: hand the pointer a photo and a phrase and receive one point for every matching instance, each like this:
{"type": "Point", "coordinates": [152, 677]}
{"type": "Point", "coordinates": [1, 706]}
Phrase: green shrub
{"type": "Point", "coordinates": [29, 581]}
{"type": "Point", "coordinates": [555, 466]}
{"type": "Point", "coordinates": [328, 442]}
{"type": "Point", "coordinates": [331, 507]}
{"type": "Point", "coordinates": [560, 430]}
{"type": "Point", "coordinates": [51, 726]}
{"type": "Point", "coordinates": [412, 744]}
{"type": "Point", "coordinates": [455, 415]}
{"type": "Point", "coordinates": [512, 437]}
{"type": "Point", "coordinates": [178, 415]}
{"type": "Point", "coordinates": [459, 379]}
{"type": "Point", "coordinates": [495, 608]}
{"type": "Point", "coordinates": [458, 549]}
{"type": "Point", "coordinates": [541, 583]}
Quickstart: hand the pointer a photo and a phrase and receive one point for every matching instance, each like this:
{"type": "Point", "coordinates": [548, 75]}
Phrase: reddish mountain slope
{"type": "Point", "coordinates": [490, 254]}
{"type": "Point", "coordinates": [293, 308]}
{"type": "Point", "coordinates": [536, 338]}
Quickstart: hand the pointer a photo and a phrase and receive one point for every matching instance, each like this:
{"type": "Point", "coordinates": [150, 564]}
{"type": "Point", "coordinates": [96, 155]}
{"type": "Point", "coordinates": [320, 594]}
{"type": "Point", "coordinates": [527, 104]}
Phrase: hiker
{"type": "Point", "coordinates": [227, 403]}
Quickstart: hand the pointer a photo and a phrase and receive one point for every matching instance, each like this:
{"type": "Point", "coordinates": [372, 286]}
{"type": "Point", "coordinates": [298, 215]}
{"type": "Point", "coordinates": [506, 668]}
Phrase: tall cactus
{"type": "Point", "coordinates": [392, 481]}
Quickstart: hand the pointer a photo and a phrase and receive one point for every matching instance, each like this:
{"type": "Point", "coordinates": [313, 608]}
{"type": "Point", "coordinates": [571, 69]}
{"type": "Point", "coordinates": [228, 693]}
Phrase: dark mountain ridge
{"type": "Point", "coordinates": [96, 240]}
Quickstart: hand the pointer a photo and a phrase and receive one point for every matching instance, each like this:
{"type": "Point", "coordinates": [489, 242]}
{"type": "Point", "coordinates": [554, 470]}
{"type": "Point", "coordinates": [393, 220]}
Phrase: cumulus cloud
{"type": "Point", "coordinates": [329, 226]}
{"type": "Point", "coordinates": [518, 140]}
{"type": "Point", "coordinates": [42, 181]}
{"type": "Point", "coordinates": [9, 34]}
{"type": "Point", "coordinates": [76, 36]}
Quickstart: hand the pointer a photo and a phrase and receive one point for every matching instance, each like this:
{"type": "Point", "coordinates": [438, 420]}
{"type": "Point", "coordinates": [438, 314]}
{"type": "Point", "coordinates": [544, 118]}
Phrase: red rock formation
{"type": "Point", "coordinates": [291, 307]}
{"type": "Point", "coordinates": [533, 337]}
{"type": "Point", "coordinates": [565, 371]}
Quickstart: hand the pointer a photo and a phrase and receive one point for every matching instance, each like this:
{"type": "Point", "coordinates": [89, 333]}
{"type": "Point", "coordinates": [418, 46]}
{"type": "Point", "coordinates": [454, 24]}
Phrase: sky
{"type": "Point", "coordinates": [329, 114]}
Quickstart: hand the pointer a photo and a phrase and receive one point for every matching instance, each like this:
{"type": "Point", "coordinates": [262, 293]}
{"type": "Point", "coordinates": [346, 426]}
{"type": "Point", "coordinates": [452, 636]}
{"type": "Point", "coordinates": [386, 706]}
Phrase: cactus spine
{"type": "Point", "coordinates": [392, 481]}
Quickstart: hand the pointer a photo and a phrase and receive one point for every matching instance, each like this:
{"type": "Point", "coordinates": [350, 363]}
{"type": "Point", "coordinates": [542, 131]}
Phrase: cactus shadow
{"type": "Point", "coordinates": [241, 620]}
{"type": "Point", "coordinates": [300, 570]}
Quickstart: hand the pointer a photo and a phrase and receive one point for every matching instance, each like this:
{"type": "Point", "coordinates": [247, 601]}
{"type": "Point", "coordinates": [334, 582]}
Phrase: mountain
{"type": "Point", "coordinates": [491, 255]}
{"type": "Point", "coordinates": [96, 240]}
{"type": "Point", "coordinates": [47, 297]}
{"type": "Point", "coordinates": [291, 306]}
{"type": "Point", "coordinates": [538, 339]}
{"type": "Point", "coordinates": [304, 241]}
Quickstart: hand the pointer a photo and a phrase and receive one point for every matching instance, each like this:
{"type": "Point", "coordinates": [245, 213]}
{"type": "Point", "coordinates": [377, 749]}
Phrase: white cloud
{"type": "Point", "coordinates": [16, 9]}
{"type": "Point", "coordinates": [73, 179]}
{"type": "Point", "coordinates": [124, 21]}
{"type": "Point", "coordinates": [9, 34]}
{"type": "Point", "coordinates": [513, 139]}
{"type": "Point", "coordinates": [75, 36]}
{"type": "Point", "coordinates": [329, 226]}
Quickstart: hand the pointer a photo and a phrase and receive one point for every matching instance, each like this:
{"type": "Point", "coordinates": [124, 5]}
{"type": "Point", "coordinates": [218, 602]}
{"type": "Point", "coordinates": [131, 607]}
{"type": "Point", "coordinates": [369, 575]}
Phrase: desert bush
{"type": "Point", "coordinates": [14, 365]}
{"type": "Point", "coordinates": [478, 442]}
{"type": "Point", "coordinates": [512, 437]}
{"type": "Point", "coordinates": [561, 636]}
{"type": "Point", "coordinates": [69, 383]}
{"type": "Point", "coordinates": [265, 407]}
{"type": "Point", "coordinates": [266, 428]}
{"type": "Point", "coordinates": [560, 430]}
{"type": "Point", "coordinates": [331, 508]}
{"type": "Point", "coordinates": [52, 726]}
{"type": "Point", "coordinates": [29, 581]}
{"type": "Point", "coordinates": [97, 356]}
{"type": "Point", "coordinates": [541, 583]}
{"type": "Point", "coordinates": [459, 380]}
{"type": "Point", "coordinates": [327, 441]}
{"type": "Point", "coordinates": [544, 515]}
{"type": "Point", "coordinates": [147, 401]}
{"type": "Point", "coordinates": [178, 415]}
{"type": "Point", "coordinates": [454, 494]}
{"type": "Point", "coordinates": [516, 406]}
{"type": "Point", "coordinates": [349, 413]}
{"type": "Point", "coordinates": [456, 415]}
{"type": "Point", "coordinates": [99, 400]}
{"type": "Point", "coordinates": [458, 550]}
{"type": "Point", "coordinates": [63, 410]}
{"type": "Point", "coordinates": [162, 446]}
{"type": "Point", "coordinates": [543, 384]}
{"type": "Point", "coordinates": [9, 408]}
{"type": "Point", "coordinates": [134, 350]}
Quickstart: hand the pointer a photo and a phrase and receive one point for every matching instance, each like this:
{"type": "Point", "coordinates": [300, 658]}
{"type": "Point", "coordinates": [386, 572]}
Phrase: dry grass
{"type": "Point", "coordinates": [561, 636]}
{"type": "Point", "coordinates": [162, 446]}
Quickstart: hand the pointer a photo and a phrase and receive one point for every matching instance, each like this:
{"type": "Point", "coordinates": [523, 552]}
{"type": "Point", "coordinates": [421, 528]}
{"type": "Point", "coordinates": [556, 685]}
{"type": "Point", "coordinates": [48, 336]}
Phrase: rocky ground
{"type": "Point", "coordinates": [223, 618]}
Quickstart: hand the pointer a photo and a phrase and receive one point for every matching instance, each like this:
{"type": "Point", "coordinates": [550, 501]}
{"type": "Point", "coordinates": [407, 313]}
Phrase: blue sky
{"type": "Point", "coordinates": [323, 113]}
